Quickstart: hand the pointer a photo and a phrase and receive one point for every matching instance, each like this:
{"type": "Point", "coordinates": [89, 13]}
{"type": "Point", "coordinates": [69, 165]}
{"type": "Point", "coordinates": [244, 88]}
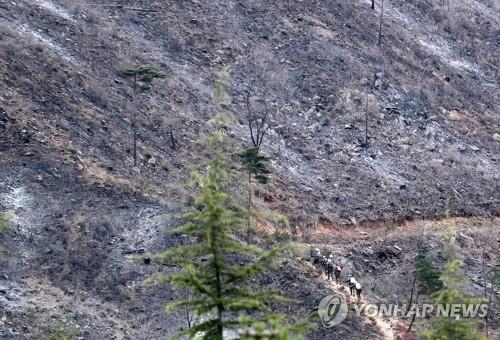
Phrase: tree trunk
{"type": "Point", "coordinates": [218, 287]}
{"type": "Point", "coordinates": [172, 139]}
{"type": "Point", "coordinates": [483, 265]}
{"type": "Point", "coordinates": [134, 121]}
{"type": "Point", "coordinates": [411, 294]}
{"type": "Point", "coordinates": [220, 329]}
{"type": "Point", "coordinates": [373, 4]}
{"type": "Point", "coordinates": [186, 310]}
{"type": "Point", "coordinates": [366, 126]}
{"type": "Point", "coordinates": [135, 144]}
{"type": "Point", "coordinates": [220, 307]}
{"type": "Point", "coordinates": [414, 315]}
{"type": "Point", "coordinates": [249, 206]}
{"type": "Point", "coordinates": [381, 22]}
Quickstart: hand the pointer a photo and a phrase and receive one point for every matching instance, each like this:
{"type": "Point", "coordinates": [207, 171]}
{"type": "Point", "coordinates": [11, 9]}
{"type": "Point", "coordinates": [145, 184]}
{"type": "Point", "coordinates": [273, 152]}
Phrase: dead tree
{"type": "Point", "coordinates": [381, 23]}
{"type": "Point", "coordinates": [266, 86]}
{"type": "Point", "coordinates": [173, 143]}
{"type": "Point", "coordinates": [258, 120]}
{"type": "Point", "coordinates": [371, 107]}
{"type": "Point", "coordinates": [142, 78]}
{"type": "Point", "coordinates": [491, 279]}
{"type": "Point", "coordinates": [366, 124]}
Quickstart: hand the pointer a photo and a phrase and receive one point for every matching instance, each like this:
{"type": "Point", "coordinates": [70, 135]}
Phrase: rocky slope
{"type": "Point", "coordinates": [82, 210]}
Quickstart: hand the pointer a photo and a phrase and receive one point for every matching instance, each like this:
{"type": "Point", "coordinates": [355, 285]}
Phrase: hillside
{"type": "Point", "coordinates": [429, 95]}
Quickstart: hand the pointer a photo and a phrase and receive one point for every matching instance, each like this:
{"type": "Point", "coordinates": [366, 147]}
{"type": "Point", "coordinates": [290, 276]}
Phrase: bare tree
{"type": "Point", "coordinates": [142, 78]}
{"type": "Point", "coordinates": [258, 121]}
{"type": "Point", "coordinates": [366, 124]}
{"type": "Point", "coordinates": [173, 141]}
{"type": "Point", "coordinates": [491, 278]}
{"type": "Point", "coordinates": [266, 87]}
{"type": "Point", "coordinates": [371, 106]}
{"type": "Point", "coordinates": [381, 23]}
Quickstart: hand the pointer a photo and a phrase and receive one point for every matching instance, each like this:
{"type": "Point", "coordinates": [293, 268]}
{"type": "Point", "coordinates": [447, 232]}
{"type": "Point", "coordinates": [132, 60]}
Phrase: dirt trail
{"type": "Point", "coordinates": [347, 245]}
{"type": "Point", "coordinates": [387, 327]}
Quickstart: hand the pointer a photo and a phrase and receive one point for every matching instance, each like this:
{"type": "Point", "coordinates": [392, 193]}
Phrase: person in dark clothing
{"type": "Point", "coordinates": [337, 271]}
{"type": "Point", "coordinates": [329, 269]}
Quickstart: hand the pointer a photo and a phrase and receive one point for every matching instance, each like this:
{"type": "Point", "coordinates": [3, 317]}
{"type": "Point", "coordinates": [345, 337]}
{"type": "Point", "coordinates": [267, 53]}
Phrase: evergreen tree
{"type": "Point", "coordinates": [216, 267]}
{"type": "Point", "coordinates": [452, 292]}
{"type": "Point", "coordinates": [257, 167]}
{"type": "Point", "coordinates": [426, 279]}
{"type": "Point", "coordinates": [427, 276]}
{"type": "Point", "coordinates": [142, 79]}
{"type": "Point", "coordinates": [445, 328]}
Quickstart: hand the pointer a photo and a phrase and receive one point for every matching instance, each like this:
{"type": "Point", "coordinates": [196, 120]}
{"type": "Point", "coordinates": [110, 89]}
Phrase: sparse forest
{"type": "Point", "coordinates": [249, 170]}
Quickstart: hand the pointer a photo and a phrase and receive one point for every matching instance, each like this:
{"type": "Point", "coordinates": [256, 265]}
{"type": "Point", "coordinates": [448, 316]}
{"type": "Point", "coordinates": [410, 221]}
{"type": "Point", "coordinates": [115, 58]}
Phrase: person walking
{"type": "Point", "coordinates": [337, 271]}
{"type": "Point", "coordinates": [329, 269]}
{"type": "Point", "coordinates": [325, 265]}
{"type": "Point", "coordinates": [316, 256]}
{"type": "Point", "coordinates": [351, 283]}
{"type": "Point", "coordinates": [358, 287]}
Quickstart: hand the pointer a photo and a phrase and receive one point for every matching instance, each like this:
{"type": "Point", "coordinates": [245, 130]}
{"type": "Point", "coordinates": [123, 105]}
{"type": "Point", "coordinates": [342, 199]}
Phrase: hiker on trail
{"type": "Point", "coordinates": [316, 255]}
{"type": "Point", "coordinates": [324, 260]}
{"type": "Point", "coordinates": [351, 283]}
{"type": "Point", "coordinates": [357, 285]}
{"type": "Point", "coordinates": [329, 268]}
{"type": "Point", "coordinates": [337, 271]}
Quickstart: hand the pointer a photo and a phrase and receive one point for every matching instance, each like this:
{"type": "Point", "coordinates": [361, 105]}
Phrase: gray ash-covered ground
{"type": "Point", "coordinates": [432, 97]}
{"type": "Point", "coordinates": [82, 211]}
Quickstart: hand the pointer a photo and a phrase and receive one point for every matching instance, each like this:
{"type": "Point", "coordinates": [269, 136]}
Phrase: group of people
{"type": "Point", "coordinates": [334, 270]}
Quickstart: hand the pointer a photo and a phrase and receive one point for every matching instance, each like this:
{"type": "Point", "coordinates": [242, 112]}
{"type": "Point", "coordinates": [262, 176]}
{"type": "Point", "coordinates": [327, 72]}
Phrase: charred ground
{"type": "Point", "coordinates": [82, 210]}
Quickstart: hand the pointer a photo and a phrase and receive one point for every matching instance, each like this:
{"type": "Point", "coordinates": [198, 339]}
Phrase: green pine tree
{"type": "Point", "coordinates": [142, 79]}
{"type": "Point", "coordinates": [427, 276]}
{"type": "Point", "coordinates": [444, 328]}
{"type": "Point", "coordinates": [452, 292]}
{"type": "Point", "coordinates": [216, 267]}
{"type": "Point", "coordinates": [426, 279]}
{"type": "Point", "coordinates": [256, 166]}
